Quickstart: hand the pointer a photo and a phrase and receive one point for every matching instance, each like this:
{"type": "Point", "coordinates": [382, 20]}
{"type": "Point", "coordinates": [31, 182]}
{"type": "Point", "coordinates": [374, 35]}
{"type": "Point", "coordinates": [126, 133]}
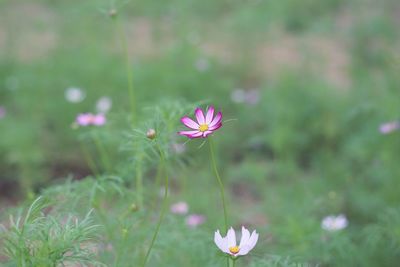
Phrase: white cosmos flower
{"type": "Point", "coordinates": [334, 223]}
{"type": "Point", "coordinates": [104, 104]}
{"type": "Point", "coordinates": [74, 95]}
{"type": "Point", "coordinates": [228, 243]}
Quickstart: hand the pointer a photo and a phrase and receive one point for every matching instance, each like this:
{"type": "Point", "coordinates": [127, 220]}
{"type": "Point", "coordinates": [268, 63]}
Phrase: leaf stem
{"type": "Point", "coordinates": [221, 186]}
{"type": "Point", "coordinates": [164, 205]}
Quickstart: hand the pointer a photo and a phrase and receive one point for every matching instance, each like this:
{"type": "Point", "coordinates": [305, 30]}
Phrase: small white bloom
{"type": "Point", "coordinates": [202, 64]}
{"type": "Point", "coordinates": [238, 95]}
{"type": "Point", "coordinates": [104, 104]}
{"type": "Point", "coordinates": [334, 223]}
{"type": "Point", "coordinates": [228, 243]}
{"type": "Point", "coordinates": [74, 95]}
{"type": "Point", "coordinates": [178, 148]}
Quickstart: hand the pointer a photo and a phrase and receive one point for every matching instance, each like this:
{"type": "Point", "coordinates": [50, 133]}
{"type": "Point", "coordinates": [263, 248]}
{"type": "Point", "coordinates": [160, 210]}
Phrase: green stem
{"type": "Point", "coordinates": [139, 181]}
{"type": "Point", "coordinates": [102, 151]}
{"type": "Point", "coordinates": [233, 263]}
{"type": "Point", "coordinates": [221, 186]}
{"type": "Point", "coordinates": [164, 205]}
{"type": "Point", "coordinates": [89, 160]}
{"type": "Point", "coordinates": [128, 67]}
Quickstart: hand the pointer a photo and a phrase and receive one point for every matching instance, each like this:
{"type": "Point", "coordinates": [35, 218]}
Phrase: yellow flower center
{"type": "Point", "coordinates": [234, 249]}
{"type": "Point", "coordinates": [203, 127]}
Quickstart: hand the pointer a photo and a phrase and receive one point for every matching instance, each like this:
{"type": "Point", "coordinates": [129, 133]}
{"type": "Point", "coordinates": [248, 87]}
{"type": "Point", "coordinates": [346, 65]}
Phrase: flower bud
{"type": "Point", "coordinates": [112, 13]}
{"type": "Point", "coordinates": [133, 207]}
{"type": "Point", "coordinates": [151, 134]}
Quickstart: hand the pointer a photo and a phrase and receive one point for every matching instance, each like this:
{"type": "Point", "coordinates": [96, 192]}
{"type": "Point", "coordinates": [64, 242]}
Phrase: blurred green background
{"type": "Point", "coordinates": [308, 84]}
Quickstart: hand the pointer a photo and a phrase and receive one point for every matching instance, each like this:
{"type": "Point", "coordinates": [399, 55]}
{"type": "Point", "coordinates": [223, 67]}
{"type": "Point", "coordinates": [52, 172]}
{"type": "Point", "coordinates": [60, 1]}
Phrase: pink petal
{"type": "Point", "coordinates": [196, 135]}
{"type": "Point", "coordinates": [84, 119]}
{"type": "Point", "coordinates": [188, 122]}
{"type": "Point", "coordinates": [99, 120]}
{"type": "Point", "coordinates": [216, 120]}
{"type": "Point", "coordinates": [199, 116]}
{"type": "Point", "coordinates": [215, 127]}
{"type": "Point", "coordinates": [191, 134]}
{"type": "Point", "coordinates": [207, 133]}
{"type": "Point", "coordinates": [209, 115]}
{"type": "Point", "coordinates": [187, 133]}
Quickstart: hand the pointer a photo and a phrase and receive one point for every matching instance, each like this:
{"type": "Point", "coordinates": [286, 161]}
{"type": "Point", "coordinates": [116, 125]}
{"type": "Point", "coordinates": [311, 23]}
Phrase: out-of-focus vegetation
{"type": "Point", "coordinates": [307, 85]}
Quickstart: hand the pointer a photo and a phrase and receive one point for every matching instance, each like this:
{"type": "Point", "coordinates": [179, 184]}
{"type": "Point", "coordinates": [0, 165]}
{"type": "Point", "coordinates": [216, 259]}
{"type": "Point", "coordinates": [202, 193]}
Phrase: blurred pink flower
{"type": "Point", "coordinates": [204, 126]}
{"type": "Point", "coordinates": [252, 97]}
{"type": "Point", "coordinates": [3, 112]}
{"type": "Point", "coordinates": [195, 220]}
{"type": "Point", "coordinates": [388, 127]}
{"type": "Point", "coordinates": [86, 119]}
{"type": "Point", "coordinates": [180, 208]}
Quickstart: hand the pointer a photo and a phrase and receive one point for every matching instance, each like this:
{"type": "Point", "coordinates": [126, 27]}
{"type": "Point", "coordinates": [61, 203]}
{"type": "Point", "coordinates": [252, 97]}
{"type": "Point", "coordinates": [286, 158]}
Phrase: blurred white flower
{"type": "Point", "coordinates": [195, 220]}
{"type": "Point", "coordinates": [202, 64]}
{"type": "Point", "coordinates": [74, 94]}
{"type": "Point", "coordinates": [179, 208]}
{"type": "Point", "coordinates": [228, 243]}
{"type": "Point", "coordinates": [334, 223]}
{"type": "Point", "coordinates": [388, 127]}
{"type": "Point", "coordinates": [104, 104]}
{"type": "Point", "coordinates": [238, 95]}
{"type": "Point", "coordinates": [250, 97]}
{"type": "Point", "coordinates": [178, 148]}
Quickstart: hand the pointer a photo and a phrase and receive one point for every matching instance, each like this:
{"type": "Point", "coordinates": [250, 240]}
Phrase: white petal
{"type": "Point", "coordinates": [221, 243]}
{"type": "Point", "coordinates": [231, 236]}
{"type": "Point", "coordinates": [245, 237]}
{"type": "Point", "coordinates": [249, 245]}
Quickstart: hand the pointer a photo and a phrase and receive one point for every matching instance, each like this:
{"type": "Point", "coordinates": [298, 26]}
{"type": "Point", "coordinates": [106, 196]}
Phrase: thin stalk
{"type": "Point", "coordinates": [129, 71]}
{"type": "Point", "coordinates": [102, 151]}
{"type": "Point", "coordinates": [164, 205]}
{"type": "Point", "coordinates": [233, 263]}
{"type": "Point", "coordinates": [139, 180]}
{"type": "Point", "coordinates": [221, 186]}
{"type": "Point", "coordinates": [89, 160]}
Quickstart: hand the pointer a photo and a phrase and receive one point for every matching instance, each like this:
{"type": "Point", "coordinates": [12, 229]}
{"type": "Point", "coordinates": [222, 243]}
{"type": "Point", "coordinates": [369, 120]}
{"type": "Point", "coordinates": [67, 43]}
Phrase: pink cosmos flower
{"type": "Point", "coordinates": [195, 220]}
{"type": "Point", "coordinates": [204, 126]}
{"type": "Point", "coordinates": [86, 119]}
{"type": "Point", "coordinates": [388, 127]}
{"type": "Point", "coordinates": [180, 208]}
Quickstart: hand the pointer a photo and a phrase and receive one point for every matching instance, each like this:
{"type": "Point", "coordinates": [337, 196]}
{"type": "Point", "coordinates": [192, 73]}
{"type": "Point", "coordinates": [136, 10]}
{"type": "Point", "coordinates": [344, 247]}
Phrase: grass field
{"type": "Point", "coordinates": [310, 98]}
